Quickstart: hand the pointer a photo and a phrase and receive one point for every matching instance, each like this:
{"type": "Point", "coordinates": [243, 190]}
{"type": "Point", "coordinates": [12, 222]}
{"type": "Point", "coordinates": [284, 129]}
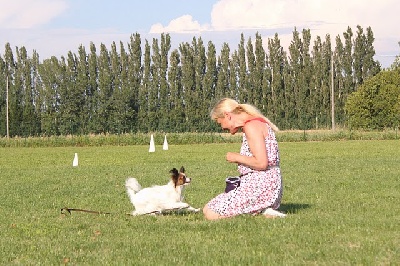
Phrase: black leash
{"type": "Point", "coordinates": [68, 210]}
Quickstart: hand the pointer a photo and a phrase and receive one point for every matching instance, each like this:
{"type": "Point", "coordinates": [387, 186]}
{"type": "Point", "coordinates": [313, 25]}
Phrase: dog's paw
{"type": "Point", "coordinates": [186, 205]}
{"type": "Point", "coordinates": [180, 205]}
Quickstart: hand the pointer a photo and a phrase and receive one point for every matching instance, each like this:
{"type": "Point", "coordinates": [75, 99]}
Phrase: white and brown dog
{"type": "Point", "coordinates": [156, 199]}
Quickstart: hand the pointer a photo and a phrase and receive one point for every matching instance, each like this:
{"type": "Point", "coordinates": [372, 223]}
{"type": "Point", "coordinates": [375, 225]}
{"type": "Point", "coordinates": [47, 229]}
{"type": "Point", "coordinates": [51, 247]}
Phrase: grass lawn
{"type": "Point", "coordinates": [342, 200]}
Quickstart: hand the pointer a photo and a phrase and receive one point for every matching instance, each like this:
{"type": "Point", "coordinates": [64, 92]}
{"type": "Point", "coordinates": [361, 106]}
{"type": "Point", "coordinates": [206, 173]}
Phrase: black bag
{"type": "Point", "coordinates": [232, 182]}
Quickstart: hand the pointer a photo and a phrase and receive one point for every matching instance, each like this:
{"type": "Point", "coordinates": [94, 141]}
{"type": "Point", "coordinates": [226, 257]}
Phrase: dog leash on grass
{"type": "Point", "coordinates": [68, 210]}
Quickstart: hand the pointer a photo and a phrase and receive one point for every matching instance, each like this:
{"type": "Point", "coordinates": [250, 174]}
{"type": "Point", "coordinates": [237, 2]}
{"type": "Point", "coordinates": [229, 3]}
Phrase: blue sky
{"type": "Point", "coordinates": [54, 27]}
{"type": "Point", "coordinates": [129, 15]}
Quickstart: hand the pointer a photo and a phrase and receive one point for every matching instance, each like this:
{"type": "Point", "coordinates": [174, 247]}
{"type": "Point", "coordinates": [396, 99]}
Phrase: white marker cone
{"type": "Point", "coordinates": [152, 146]}
{"type": "Point", "coordinates": [75, 161]}
{"type": "Point", "coordinates": [165, 145]}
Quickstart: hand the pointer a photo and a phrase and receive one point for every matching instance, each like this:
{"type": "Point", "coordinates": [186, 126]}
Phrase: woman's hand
{"type": "Point", "coordinates": [232, 157]}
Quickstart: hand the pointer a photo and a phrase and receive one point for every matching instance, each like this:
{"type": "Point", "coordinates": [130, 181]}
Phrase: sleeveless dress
{"type": "Point", "coordinates": [258, 190]}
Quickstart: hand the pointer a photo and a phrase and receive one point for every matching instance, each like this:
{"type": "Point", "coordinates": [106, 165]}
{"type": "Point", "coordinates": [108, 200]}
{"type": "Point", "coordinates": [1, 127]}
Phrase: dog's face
{"type": "Point", "coordinates": [179, 177]}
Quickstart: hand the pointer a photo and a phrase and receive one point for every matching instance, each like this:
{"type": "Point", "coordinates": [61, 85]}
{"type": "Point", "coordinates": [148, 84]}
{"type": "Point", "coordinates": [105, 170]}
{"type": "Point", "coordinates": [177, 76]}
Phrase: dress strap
{"type": "Point", "coordinates": [257, 118]}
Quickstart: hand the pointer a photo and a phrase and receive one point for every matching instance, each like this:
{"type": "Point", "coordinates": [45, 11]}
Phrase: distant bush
{"type": "Point", "coordinates": [376, 103]}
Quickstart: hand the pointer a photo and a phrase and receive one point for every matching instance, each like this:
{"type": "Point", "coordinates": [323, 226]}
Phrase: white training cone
{"type": "Point", "coordinates": [165, 145]}
{"type": "Point", "coordinates": [75, 161]}
{"type": "Point", "coordinates": [152, 146]}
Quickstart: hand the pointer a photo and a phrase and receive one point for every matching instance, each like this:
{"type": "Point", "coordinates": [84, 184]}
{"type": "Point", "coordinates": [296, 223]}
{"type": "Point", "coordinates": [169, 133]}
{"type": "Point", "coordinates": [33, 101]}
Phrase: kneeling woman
{"type": "Point", "coordinates": [260, 189]}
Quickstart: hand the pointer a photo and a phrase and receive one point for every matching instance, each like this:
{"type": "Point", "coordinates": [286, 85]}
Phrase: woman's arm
{"type": "Point", "coordinates": [255, 133]}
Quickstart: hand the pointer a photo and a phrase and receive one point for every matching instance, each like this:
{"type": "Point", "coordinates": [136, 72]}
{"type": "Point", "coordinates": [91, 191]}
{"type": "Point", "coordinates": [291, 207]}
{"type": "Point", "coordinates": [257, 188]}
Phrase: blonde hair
{"type": "Point", "coordinates": [232, 106]}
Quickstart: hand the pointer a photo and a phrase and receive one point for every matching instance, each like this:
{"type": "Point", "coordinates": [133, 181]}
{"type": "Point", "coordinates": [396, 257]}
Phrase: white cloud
{"type": "Point", "coordinates": [233, 14]}
{"type": "Point", "coordinates": [184, 24]}
{"type": "Point", "coordinates": [228, 14]}
{"type": "Point", "coordinates": [25, 14]}
{"type": "Point", "coordinates": [322, 17]}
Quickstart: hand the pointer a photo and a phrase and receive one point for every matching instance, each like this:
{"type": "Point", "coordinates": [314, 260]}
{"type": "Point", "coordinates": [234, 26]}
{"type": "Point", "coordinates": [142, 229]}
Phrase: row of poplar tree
{"type": "Point", "coordinates": [146, 87]}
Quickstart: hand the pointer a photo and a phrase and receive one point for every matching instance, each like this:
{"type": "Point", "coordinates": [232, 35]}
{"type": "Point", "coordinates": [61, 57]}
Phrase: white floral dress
{"type": "Point", "coordinates": [258, 190]}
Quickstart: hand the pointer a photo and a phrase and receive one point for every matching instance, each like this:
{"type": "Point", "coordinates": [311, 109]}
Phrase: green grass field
{"type": "Point", "coordinates": [342, 198]}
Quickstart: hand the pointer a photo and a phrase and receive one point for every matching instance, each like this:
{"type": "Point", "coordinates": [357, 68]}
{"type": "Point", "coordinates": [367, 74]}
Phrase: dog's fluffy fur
{"type": "Point", "coordinates": [156, 199]}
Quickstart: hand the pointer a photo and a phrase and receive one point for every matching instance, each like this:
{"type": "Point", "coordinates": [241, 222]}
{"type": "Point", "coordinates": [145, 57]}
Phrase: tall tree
{"type": "Point", "coordinates": [339, 78]}
{"type": "Point", "coordinates": [92, 107]}
{"type": "Point", "coordinates": [15, 108]}
{"type": "Point", "coordinates": [321, 82]}
{"type": "Point", "coordinates": [105, 90]}
{"type": "Point", "coordinates": [135, 77]}
{"type": "Point", "coordinates": [209, 82]}
{"type": "Point", "coordinates": [347, 72]}
{"type": "Point", "coordinates": [118, 107]}
{"type": "Point", "coordinates": [188, 86]}
{"type": "Point", "coordinates": [277, 62]}
{"type": "Point", "coordinates": [359, 55]}
{"type": "Point", "coordinates": [307, 114]}
{"type": "Point", "coordinates": [143, 117]}
{"type": "Point", "coordinates": [3, 95]}
{"type": "Point", "coordinates": [260, 84]}
{"type": "Point", "coordinates": [52, 78]}
{"type": "Point", "coordinates": [23, 84]}
{"type": "Point", "coordinates": [295, 86]}
{"type": "Point", "coordinates": [36, 92]}
{"type": "Point", "coordinates": [252, 81]}
{"type": "Point", "coordinates": [223, 86]}
{"type": "Point", "coordinates": [175, 98]}
{"type": "Point", "coordinates": [364, 64]}
{"type": "Point", "coordinates": [128, 93]}
{"type": "Point", "coordinates": [82, 84]}
{"type": "Point", "coordinates": [234, 76]}
{"type": "Point", "coordinates": [72, 99]}
{"type": "Point", "coordinates": [202, 104]}
{"type": "Point", "coordinates": [164, 123]}
{"type": "Point", "coordinates": [242, 75]}
{"type": "Point", "coordinates": [154, 89]}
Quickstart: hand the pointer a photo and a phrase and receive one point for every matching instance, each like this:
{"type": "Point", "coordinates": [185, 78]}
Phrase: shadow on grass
{"type": "Point", "coordinates": [289, 208]}
{"type": "Point", "coordinates": [293, 207]}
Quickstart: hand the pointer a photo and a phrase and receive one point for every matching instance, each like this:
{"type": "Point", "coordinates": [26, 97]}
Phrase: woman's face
{"type": "Point", "coordinates": [226, 123]}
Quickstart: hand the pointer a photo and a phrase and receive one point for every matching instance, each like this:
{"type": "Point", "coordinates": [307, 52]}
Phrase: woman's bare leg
{"type": "Point", "coordinates": [211, 215]}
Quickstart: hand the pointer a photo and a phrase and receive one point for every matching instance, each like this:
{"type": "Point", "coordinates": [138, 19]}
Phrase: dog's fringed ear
{"type": "Point", "coordinates": [174, 172]}
{"type": "Point", "coordinates": [182, 170]}
{"type": "Point", "coordinates": [174, 175]}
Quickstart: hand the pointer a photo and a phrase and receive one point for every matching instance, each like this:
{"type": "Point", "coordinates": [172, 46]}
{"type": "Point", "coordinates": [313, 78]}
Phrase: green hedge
{"type": "Point", "coordinates": [191, 138]}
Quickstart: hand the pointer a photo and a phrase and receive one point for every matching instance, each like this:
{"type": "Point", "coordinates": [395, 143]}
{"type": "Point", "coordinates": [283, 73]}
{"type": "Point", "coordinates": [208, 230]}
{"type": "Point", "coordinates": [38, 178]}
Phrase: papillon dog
{"type": "Point", "coordinates": [156, 199]}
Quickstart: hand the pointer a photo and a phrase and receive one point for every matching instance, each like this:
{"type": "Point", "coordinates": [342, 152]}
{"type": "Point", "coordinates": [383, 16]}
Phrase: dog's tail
{"type": "Point", "coordinates": [132, 187]}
